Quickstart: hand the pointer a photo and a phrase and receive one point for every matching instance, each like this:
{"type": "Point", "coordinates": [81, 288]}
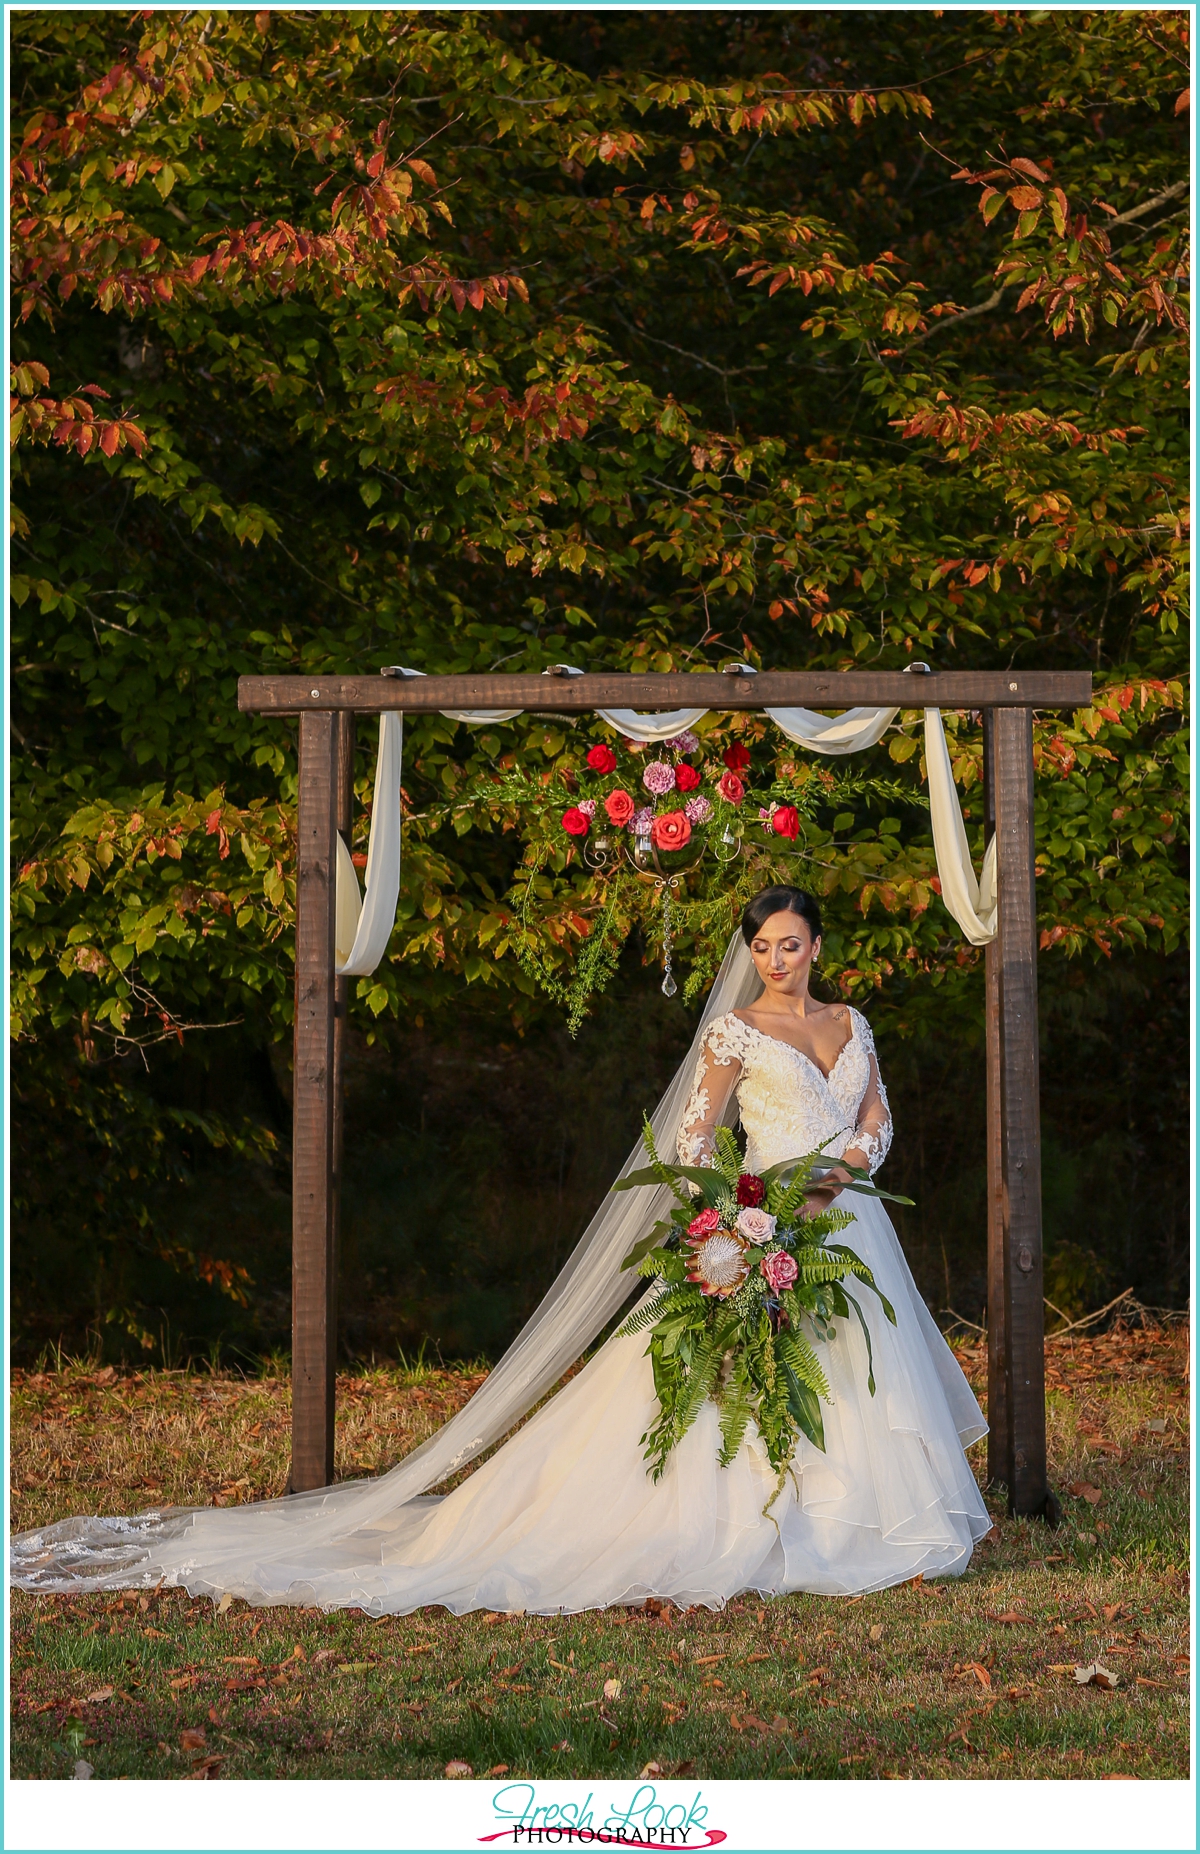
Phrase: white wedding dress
{"type": "Point", "coordinates": [565, 1517]}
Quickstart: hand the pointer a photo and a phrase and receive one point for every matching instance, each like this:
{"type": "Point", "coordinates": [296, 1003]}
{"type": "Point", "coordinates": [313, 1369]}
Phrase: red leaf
{"type": "Point", "coordinates": [422, 170]}
{"type": "Point", "coordinates": [1183, 101]}
{"type": "Point", "coordinates": [1022, 166]}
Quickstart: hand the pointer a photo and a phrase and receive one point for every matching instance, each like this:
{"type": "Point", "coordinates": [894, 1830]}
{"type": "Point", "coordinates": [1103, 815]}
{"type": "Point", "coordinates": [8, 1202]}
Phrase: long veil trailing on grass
{"type": "Point", "coordinates": [248, 1550]}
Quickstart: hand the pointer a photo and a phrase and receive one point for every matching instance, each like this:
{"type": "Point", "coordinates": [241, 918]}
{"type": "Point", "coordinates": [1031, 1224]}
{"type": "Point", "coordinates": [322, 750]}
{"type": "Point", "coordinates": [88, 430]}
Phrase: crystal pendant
{"type": "Point", "coordinates": [669, 987]}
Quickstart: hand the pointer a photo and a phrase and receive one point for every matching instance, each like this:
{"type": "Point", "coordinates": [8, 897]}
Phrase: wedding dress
{"type": "Point", "coordinates": [565, 1517]}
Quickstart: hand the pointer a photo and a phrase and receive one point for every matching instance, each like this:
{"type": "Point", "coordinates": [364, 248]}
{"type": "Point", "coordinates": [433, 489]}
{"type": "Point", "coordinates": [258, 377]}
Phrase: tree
{"type": "Point", "coordinates": [475, 341]}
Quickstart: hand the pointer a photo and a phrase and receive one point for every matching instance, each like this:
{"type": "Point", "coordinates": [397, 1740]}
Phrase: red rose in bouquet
{"type": "Point", "coordinates": [602, 759]}
{"type": "Point", "coordinates": [705, 1223]}
{"type": "Point", "coordinates": [779, 1270]}
{"type": "Point", "coordinates": [736, 758]}
{"type": "Point", "coordinates": [731, 788]}
{"type": "Point", "coordinates": [750, 1191]}
{"type": "Point", "coordinates": [686, 778]}
{"type": "Point", "coordinates": [620, 808]}
{"type": "Point", "coordinates": [575, 821]}
{"type": "Point", "coordinates": [785, 822]}
{"type": "Point", "coordinates": [670, 831]}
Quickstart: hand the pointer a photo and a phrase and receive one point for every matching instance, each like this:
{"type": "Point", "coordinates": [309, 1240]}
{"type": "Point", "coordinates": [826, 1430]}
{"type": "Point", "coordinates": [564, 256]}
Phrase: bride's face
{"type": "Point", "coordinates": [783, 951]}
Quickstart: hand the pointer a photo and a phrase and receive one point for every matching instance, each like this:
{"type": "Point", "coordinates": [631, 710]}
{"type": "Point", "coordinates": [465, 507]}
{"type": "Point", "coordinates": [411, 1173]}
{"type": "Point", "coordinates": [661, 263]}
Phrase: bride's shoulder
{"type": "Point", "coordinates": [862, 1028]}
{"type": "Point", "coordinates": [728, 1035]}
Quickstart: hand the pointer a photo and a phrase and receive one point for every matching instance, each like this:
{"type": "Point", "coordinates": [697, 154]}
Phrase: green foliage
{"type": "Point", "coordinates": [549, 354]}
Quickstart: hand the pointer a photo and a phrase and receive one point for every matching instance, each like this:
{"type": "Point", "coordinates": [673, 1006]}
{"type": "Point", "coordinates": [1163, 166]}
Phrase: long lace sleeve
{"type": "Point", "coordinates": [873, 1127]}
{"type": "Point", "coordinates": [718, 1072]}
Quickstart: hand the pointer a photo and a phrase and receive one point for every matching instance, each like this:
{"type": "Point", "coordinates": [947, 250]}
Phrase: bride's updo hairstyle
{"type": "Point", "coordinates": [779, 901]}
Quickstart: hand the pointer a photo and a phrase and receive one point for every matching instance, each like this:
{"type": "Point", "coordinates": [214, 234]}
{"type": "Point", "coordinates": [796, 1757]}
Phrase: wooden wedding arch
{"type": "Point", "coordinates": [327, 706]}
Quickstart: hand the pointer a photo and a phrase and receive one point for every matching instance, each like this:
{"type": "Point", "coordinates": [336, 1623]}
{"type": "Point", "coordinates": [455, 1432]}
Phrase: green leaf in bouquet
{"type": "Point", "coordinates": [710, 1183]}
{"type": "Point", "coordinates": [736, 1409]}
{"type": "Point", "coordinates": [867, 1336]}
{"type": "Point", "coordinates": [728, 1158]}
{"type": "Point", "coordinates": [864, 1274]}
{"type": "Point", "coordinates": [646, 1244]}
{"type": "Point", "coordinates": [805, 1407]}
{"type": "Point", "coordinates": [793, 1350]}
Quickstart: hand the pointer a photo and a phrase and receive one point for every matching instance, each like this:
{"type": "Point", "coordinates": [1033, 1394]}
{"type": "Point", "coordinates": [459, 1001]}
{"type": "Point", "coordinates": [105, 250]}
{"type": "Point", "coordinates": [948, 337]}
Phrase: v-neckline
{"type": "Point", "coordinates": [803, 1053]}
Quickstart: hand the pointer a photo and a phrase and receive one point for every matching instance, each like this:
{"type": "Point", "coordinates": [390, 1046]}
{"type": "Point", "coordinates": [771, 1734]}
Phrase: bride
{"type": "Point", "coordinates": [565, 1516]}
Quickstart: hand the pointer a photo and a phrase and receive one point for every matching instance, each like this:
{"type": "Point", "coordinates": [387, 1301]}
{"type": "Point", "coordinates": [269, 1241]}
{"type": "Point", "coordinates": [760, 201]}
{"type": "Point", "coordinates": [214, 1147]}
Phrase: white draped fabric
{"type": "Point", "coordinates": [364, 925]}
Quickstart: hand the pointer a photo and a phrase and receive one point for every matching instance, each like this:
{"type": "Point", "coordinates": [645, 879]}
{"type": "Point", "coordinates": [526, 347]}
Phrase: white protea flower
{"type": "Point", "coordinates": [718, 1265]}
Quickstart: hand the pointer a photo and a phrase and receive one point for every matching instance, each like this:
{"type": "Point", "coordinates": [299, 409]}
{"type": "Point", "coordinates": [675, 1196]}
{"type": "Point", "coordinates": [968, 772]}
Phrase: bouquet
{"type": "Point", "coordinates": [748, 1276]}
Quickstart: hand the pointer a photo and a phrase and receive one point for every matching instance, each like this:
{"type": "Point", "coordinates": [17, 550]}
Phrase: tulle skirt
{"type": "Point", "coordinates": [565, 1517]}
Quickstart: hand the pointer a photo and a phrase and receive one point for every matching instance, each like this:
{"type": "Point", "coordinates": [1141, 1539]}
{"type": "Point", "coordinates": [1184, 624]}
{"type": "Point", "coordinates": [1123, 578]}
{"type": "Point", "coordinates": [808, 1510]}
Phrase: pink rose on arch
{"type": "Point", "coordinates": [731, 788]}
{"type": "Point", "coordinates": [697, 809]}
{"type": "Point", "coordinates": [757, 1226]}
{"type": "Point", "coordinates": [588, 807]}
{"type": "Point", "coordinates": [779, 1269]}
{"type": "Point", "coordinates": [704, 1224]}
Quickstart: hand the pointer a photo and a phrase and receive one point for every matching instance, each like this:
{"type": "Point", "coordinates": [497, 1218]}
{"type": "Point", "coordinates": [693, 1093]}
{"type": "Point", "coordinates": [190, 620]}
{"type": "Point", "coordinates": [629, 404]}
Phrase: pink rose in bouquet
{"type": "Point", "coordinates": [757, 1226]}
{"type": "Point", "coordinates": [705, 1223]}
{"type": "Point", "coordinates": [659, 778]}
{"type": "Point", "coordinates": [779, 1269]}
{"type": "Point", "coordinates": [697, 810]}
{"type": "Point", "coordinates": [731, 788]}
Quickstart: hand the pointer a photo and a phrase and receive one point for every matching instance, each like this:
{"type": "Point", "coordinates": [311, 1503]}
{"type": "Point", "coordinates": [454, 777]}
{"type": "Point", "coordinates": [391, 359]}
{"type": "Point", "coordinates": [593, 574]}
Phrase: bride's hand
{"type": "Point", "coordinates": [831, 1185]}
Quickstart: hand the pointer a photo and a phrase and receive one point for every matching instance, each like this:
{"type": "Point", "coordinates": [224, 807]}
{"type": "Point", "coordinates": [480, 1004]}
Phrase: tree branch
{"type": "Point", "coordinates": [964, 315]}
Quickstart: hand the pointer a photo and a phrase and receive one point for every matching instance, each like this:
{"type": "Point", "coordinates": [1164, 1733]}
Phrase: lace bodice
{"type": "Point", "coordinates": [788, 1106]}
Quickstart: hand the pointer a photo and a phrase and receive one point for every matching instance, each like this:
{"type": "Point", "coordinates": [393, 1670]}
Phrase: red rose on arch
{"type": "Point", "coordinates": [750, 1191]}
{"type": "Point", "coordinates": [736, 758]}
{"type": "Point", "coordinates": [686, 778]}
{"type": "Point", "coordinates": [671, 830]}
{"type": "Point", "coordinates": [575, 821]}
{"type": "Point", "coordinates": [620, 808]}
{"type": "Point", "coordinates": [785, 822]}
{"type": "Point", "coordinates": [704, 1224]}
{"type": "Point", "coordinates": [731, 788]}
{"type": "Point", "coordinates": [601, 758]}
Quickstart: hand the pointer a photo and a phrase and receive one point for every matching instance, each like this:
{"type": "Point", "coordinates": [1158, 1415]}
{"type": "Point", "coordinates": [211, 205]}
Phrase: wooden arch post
{"type": "Point", "coordinates": [327, 706]}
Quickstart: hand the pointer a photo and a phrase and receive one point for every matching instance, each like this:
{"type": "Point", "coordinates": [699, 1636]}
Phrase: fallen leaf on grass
{"type": "Point", "coordinates": [354, 1667]}
{"type": "Point", "coordinates": [421, 1648]}
{"type": "Point", "coordinates": [225, 1605]}
{"type": "Point", "coordinates": [612, 1689]}
{"type": "Point", "coordinates": [1119, 1776]}
{"type": "Point", "coordinates": [193, 1738]}
{"type": "Point", "coordinates": [980, 1672]}
{"type": "Point", "coordinates": [208, 1769]}
{"type": "Point", "coordinates": [752, 1658]}
{"type": "Point", "coordinates": [454, 1684]}
{"type": "Point", "coordinates": [876, 1632]}
{"type": "Point", "coordinates": [1083, 1490]}
{"type": "Point", "coordinates": [498, 1770]}
{"type": "Point", "coordinates": [158, 1635]}
{"type": "Point", "coordinates": [1011, 1615]}
{"type": "Point", "coordinates": [506, 1673]}
{"type": "Point", "coordinates": [184, 1680]}
{"type": "Point", "coordinates": [456, 1766]}
{"type": "Point", "coordinates": [562, 1745]}
{"type": "Point", "coordinates": [650, 1770]}
{"type": "Point", "coordinates": [1113, 1610]}
{"type": "Point", "coordinates": [751, 1723]}
{"type": "Point", "coordinates": [1095, 1676]}
{"type": "Point", "coordinates": [99, 1696]}
{"type": "Point", "coordinates": [708, 1660]}
{"type": "Point", "coordinates": [1143, 1680]}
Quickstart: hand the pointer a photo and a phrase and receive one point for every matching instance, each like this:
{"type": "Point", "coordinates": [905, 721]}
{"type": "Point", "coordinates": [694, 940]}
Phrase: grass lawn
{"type": "Point", "coordinates": [967, 1677]}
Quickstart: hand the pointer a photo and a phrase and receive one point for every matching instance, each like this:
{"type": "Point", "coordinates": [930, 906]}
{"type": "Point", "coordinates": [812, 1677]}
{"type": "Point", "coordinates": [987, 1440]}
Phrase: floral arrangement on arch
{"type": "Point", "coordinates": [668, 801]}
